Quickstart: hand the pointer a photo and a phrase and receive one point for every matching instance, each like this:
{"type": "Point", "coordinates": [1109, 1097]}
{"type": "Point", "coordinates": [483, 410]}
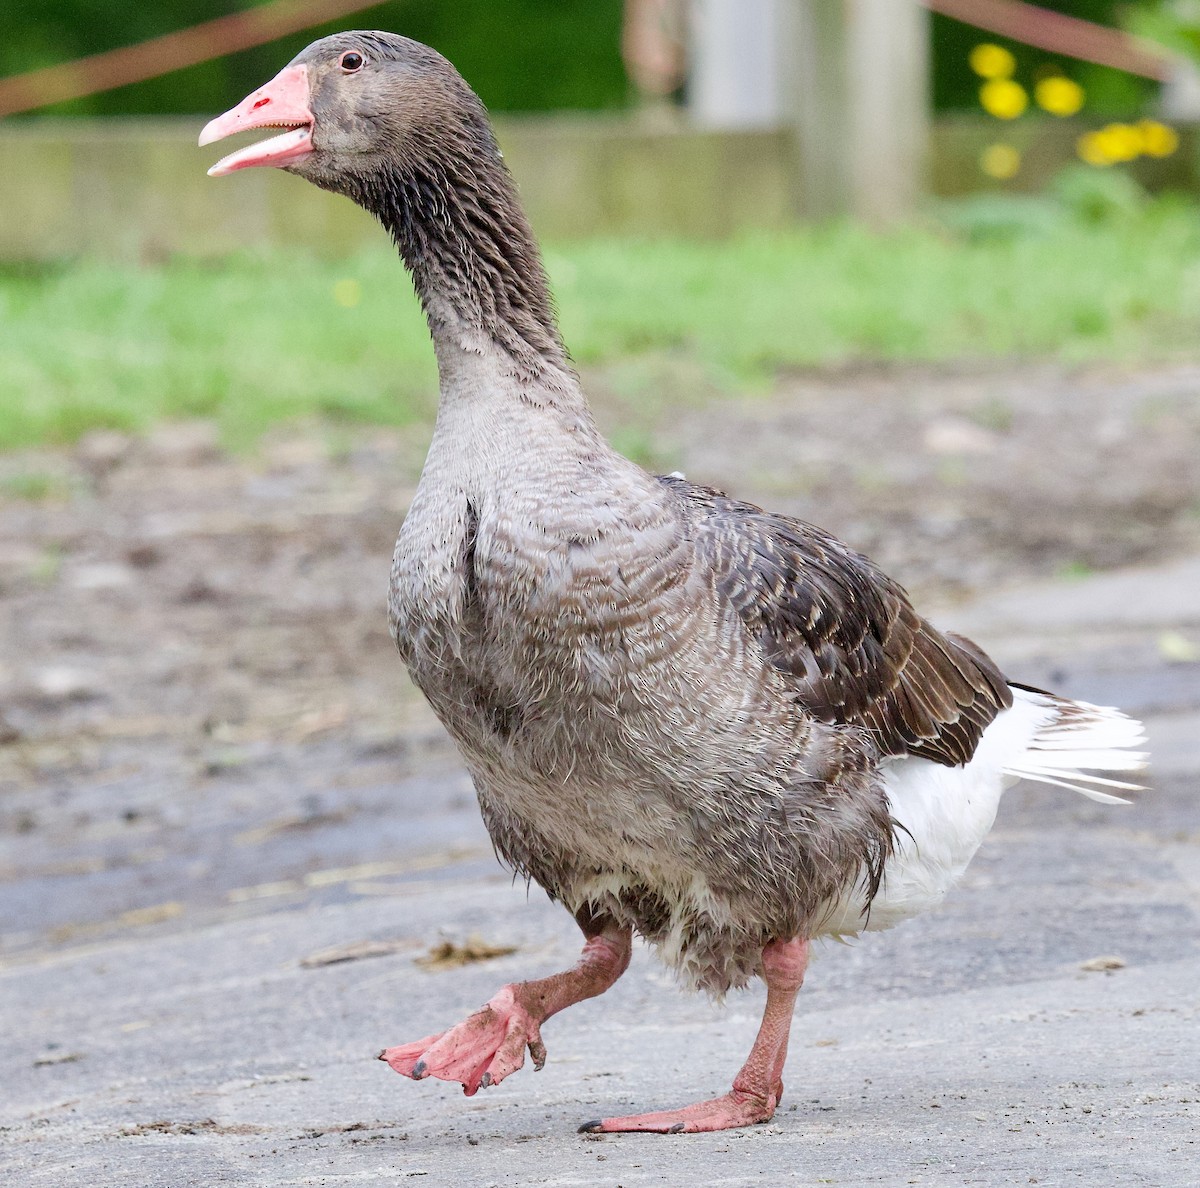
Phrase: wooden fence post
{"type": "Point", "coordinates": [857, 76]}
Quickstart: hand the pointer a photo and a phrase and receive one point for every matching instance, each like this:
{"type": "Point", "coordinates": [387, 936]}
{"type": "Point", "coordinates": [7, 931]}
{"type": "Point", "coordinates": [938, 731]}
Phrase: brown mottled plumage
{"type": "Point", "coordinates": [684, 715]}
{"type": "Point", "coordinates": [847, 633]}
{"type": "Point", "coordinates": [651, 683]}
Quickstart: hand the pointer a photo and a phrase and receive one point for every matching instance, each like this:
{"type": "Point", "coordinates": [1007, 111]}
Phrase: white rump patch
{"type": "Point", "coordinates": [946, 812]}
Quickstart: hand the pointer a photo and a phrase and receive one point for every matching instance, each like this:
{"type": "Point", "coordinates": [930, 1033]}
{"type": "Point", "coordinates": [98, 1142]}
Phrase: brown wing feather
{"type": "Point", "coordinates": [848, 635]}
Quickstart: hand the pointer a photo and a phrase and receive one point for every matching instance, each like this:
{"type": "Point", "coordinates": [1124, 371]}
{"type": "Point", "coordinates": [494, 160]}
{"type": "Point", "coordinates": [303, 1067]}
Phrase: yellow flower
{"type": "Point", "coordinates": [992, 61]}
{"type": "Point", "coordinates": [1157, 139]}
{"type": "Point", "coordinates": [1090, 148]}
{"type": "Point", "coordinates": [1003, 98]}
{"type": "Point", "coordinates": [1120, 142]}
{"type": "Point", "coordinates": [1000, 161]}
{"type": "Point", "coordinates": [347, 293]}
{"type": "Point", "coordinates": [1059, 96]}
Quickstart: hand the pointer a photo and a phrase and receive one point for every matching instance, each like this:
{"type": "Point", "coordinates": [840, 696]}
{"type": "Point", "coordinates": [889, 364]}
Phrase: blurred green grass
{"type": "Point", "coordinates": [255, 340]}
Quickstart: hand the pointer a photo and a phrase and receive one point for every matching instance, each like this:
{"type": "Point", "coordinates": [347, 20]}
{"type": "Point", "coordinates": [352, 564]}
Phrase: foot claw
{"type": "Point", "coordinates": [480, 1052]}
{"type": "Point", "coordinates": [592, 1127]}
{"type": "Point", "coordinates": [738, 1108]}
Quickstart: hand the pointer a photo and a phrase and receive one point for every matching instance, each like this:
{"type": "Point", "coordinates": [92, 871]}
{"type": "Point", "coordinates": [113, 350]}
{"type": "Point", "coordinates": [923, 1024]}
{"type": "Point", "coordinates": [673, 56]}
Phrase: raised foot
{"type": "Point", "coordinates": [736, 1108]}
{"type": "Point", "coordinates": [481, 1051]}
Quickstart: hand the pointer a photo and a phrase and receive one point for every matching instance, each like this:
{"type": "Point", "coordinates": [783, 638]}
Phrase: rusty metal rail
{"type": "Point", "coordinates": [1057, 33]}
{"type": "Point", "coordinates": [172, 51]}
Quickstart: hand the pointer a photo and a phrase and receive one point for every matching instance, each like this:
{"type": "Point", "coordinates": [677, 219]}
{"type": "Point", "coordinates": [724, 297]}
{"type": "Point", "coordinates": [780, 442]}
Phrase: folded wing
{"type": "Point", "coordinates": [845, 633]}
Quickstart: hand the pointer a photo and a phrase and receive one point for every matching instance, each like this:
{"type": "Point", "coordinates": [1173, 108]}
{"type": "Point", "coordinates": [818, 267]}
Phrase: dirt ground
{"type": "Point", "coordinates": [204, 724]}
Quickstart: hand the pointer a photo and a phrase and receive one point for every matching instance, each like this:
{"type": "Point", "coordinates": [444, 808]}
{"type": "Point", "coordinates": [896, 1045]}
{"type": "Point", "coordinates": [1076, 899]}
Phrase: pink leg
{"type": "Point", "coordinates": [490, 1045]}
{"type": "Point", "coordinates": [759, 1086]}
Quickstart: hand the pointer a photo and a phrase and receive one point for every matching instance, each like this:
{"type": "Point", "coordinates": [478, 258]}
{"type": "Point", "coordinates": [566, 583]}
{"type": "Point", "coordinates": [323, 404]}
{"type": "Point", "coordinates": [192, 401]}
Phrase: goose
{"type": "Point", "coordinates": [685, 717]}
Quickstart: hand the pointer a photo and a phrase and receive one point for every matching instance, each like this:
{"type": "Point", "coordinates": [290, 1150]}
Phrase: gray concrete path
{"type": "Point", "coordinates": [168, 1030]}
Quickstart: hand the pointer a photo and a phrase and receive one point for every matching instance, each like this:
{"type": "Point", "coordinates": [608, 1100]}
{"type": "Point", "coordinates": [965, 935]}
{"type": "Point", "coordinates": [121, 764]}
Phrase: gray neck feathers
{"type": "Point", "coordinates": [456, 220]}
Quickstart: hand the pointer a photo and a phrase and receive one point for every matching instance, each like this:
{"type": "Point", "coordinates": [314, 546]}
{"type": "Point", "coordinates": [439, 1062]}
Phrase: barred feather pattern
{"type": "Point", "coordinates": [611, 651]}
{"type": "Point", "coordinates": [632, 750]}
{"type": "Point", "coordinates": [846, 633]}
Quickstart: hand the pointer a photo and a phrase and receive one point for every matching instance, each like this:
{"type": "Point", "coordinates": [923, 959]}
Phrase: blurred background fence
{"type": "Point", "coordinates": [684, 117]}
{"type": "Point", "coordinates": [135, 188]}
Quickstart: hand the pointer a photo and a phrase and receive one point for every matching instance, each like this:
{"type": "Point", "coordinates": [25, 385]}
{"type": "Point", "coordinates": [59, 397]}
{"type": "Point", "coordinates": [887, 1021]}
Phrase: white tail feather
{"type": "Point", "coordinates": [1098, 758]}
{"type": "Point", "coordinates": [1081, 736]}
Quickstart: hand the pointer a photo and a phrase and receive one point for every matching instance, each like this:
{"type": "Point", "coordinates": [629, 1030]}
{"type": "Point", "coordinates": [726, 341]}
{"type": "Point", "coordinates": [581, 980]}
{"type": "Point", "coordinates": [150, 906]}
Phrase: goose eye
{"type": "Point", "coordinates": [351, 62]}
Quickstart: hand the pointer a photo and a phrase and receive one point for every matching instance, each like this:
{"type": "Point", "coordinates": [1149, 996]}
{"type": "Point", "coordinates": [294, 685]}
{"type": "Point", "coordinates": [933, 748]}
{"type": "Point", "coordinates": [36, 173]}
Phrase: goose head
{"type": "Point", "coordinates": [355, 105]}
{"type": "Point", "coordinates": [390, 124]}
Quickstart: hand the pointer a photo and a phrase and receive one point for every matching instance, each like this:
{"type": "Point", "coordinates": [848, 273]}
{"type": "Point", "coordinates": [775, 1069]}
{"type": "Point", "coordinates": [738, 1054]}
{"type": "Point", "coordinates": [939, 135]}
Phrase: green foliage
{"type": "Point", "coordinates": [1173, 23]}
{"type": "Point", "coordinates": [842, 294]}
{"type": "Point", "coordinates": [260, 339]}
{"type": "Point", "coordinates": [1078, 197]}
{"type": "Point", "coordinates": [252, 341]}
{"type": "Point", "coordinates": [1100, 197]}
{"type": "Point", "coordinates": [521, 55]}
{"type": "Point", "coordinates": [32, 486]}
{"type": "Point", "coordinates": [991, 217]}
